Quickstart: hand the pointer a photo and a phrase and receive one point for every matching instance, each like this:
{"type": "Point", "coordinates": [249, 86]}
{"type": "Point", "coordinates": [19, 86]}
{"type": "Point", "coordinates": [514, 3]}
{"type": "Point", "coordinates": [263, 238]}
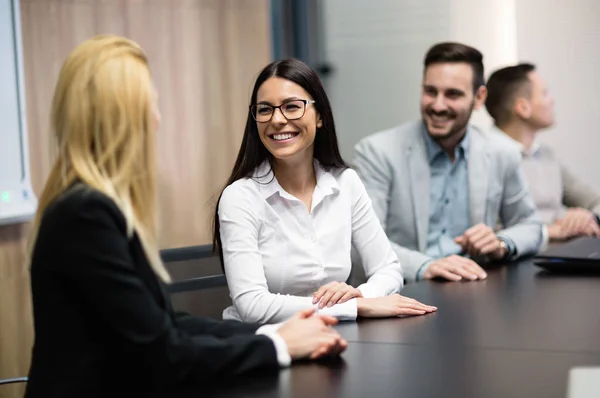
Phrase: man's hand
{"type": "Point", "coordinates": [556, 232]}
{"type": "Point", "coordinates": [455, 268]}
{"type": "Point", "coordinates": [480, 240]}
{"type": "Point", "coordinates": [577, 222]}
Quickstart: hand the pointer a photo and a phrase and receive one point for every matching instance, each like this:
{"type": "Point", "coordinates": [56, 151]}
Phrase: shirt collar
{"type": "Point", "coordinates": [434, 149]}
{"type": "Point", "coordinates": [268, 184]}
{"type": "Point", "coordinates": [536, 146]}
{"type": "Point", "coordinates": [264, 177]}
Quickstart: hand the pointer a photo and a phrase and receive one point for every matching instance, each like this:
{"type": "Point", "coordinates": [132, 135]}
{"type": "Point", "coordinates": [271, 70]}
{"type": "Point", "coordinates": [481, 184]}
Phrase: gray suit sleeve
{"type": "Point", "coordinates": [518, 213]}
{"type": "Point", "coordinates": [576, 193]}
{"type": "Point", "coordinates": [411, 261]}
{"type": "Point", "coordinates": [377, 176]}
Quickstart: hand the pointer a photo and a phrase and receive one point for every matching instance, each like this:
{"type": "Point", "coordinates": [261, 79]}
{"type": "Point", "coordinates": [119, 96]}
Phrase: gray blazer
{"type": "Point", "coordinates": [552, 186]}
{"type": "Point", "coordinates": [394, 169]}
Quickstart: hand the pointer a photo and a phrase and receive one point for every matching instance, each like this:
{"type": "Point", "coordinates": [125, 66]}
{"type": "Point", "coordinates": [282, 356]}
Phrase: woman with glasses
{"type": "Point", "coordinates": [103, 319]}
{"type": "Point", "coordinates": [292, 209]}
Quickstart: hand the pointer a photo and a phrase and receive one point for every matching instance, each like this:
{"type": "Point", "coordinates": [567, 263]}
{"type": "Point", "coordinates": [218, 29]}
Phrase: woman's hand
{"type": "Point", "coordinates": [393, 305]}
{"type": "Point", "coordinates": [309, 336]}
{"type": "Point", "coordinates": [334, 293]}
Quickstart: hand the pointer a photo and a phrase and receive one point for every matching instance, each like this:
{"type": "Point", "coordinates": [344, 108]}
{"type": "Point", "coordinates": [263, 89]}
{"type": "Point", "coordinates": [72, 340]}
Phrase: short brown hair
{"type": "Point", "coordinates": [451, 52]}
{"type": "Point", "coordinates": [503, 87]}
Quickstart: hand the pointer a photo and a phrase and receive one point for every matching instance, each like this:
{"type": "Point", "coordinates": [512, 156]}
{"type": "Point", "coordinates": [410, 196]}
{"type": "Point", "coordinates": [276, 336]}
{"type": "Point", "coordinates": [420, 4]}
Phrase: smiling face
{"type": "Point", "coordinates": [287, 139]}
{"type": "Point", "coordinates": [447, 99]}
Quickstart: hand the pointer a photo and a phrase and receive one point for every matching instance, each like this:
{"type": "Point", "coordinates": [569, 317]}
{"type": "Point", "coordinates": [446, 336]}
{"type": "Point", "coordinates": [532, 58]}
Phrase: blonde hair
{"type": "Point", "coordinates": [102, 121]}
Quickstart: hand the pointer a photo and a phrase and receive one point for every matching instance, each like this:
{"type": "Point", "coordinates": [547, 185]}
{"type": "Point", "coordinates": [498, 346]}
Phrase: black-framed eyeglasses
{"type": "Point", "coordinates": [291, 110]}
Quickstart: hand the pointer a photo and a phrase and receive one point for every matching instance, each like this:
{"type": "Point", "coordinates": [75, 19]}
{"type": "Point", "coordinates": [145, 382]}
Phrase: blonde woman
{"type": "Point", "coordinates": [103, 319]}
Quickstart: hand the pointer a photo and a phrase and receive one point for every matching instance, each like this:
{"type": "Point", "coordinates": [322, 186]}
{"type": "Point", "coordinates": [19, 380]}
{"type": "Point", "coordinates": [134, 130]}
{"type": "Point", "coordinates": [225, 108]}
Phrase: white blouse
{"type": "Point", "coordinates": [277, 254]}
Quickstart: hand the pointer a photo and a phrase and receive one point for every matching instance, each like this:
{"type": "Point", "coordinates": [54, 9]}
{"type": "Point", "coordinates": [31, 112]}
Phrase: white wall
{"type": "Point", "coordinates": [490, 27]}
{"type": "Point", "coordinates": [562, 37]}
{"type": "Point", "coordinates": [376, 48]}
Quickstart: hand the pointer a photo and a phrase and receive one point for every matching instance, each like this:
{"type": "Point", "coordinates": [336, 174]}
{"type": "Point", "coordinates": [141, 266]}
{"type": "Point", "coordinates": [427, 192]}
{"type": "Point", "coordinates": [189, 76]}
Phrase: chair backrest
{"type": "Point", "coordinates": [199, 286]}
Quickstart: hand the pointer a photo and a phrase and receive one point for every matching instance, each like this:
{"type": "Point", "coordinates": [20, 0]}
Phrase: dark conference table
{"type": "Point", "coordinates": [516, 334]}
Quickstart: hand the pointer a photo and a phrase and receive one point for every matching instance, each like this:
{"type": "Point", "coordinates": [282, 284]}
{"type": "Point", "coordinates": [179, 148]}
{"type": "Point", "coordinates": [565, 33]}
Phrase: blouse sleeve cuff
{"type": "Point", "coordinates": [283, 356]}
{"type": "Point", "coordinates": [343, 312]}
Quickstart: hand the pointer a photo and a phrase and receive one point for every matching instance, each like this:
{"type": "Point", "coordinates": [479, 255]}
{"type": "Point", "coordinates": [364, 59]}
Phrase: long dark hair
{"type": "Point", "coordinates": [252, 151]}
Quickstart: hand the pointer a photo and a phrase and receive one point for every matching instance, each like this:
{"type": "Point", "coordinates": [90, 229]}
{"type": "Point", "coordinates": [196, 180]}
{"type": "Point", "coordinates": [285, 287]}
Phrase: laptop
{"type": "Point", "coordinates": [577, 255]}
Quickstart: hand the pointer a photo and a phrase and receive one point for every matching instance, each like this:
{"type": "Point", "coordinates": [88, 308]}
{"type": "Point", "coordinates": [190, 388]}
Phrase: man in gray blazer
{"type": "Point", "coordinates": [521, 107]}
{"type": "Point", "coordinates": [440, 185]}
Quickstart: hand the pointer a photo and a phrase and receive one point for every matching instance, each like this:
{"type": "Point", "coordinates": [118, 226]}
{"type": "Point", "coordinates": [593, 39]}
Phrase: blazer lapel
{"type": "Point", "coordinates": [419, 180]}
{"type": "Point", "coordinates": [478, 177]}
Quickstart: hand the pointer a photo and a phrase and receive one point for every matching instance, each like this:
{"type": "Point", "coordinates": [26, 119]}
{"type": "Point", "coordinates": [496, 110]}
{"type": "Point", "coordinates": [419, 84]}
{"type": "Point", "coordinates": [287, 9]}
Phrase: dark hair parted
{"type": "Point", "coordinates": [252, 151]}
{"type": "Point", "coordinates": [503, 87]}
{"type": "Point", "coordinates": [451, 52]}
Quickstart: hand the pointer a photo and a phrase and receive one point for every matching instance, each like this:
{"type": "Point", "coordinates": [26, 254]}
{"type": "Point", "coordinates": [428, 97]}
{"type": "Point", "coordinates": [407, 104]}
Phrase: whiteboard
{"type": "Point", "coordinates": [17, 201]}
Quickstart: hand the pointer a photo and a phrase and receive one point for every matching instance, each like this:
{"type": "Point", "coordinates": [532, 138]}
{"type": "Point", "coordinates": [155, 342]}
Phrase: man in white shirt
{"type": "Point", "coordinates": [521, 107]}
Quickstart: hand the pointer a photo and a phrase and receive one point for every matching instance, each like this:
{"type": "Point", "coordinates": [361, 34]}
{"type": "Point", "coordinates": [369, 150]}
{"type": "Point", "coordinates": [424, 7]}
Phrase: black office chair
{"type": "Point", "coordinates": [190, 253]}
{"type": "Point", "coordinates": [199, 286]}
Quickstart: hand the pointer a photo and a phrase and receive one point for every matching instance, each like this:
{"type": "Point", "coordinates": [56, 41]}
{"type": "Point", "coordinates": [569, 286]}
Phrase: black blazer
{"type": "Point", "coordinates": [104, 325]}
